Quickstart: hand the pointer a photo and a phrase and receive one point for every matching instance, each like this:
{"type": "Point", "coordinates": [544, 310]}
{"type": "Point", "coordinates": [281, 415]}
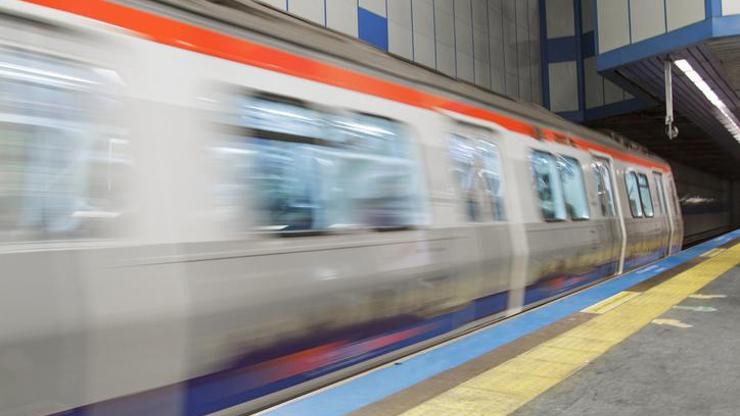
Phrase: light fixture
{"type": "Point", "coordinates": [723, 112]}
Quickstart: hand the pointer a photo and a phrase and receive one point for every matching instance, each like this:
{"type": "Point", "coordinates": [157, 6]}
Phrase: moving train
{"type": "Point", "coordinates": [206, 209]}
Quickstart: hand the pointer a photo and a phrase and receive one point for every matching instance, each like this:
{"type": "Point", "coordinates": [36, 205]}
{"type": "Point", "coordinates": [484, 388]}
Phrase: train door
{"type": "Point", "coordinates": [663, 212]}
{"type": "Point", "coordinates": [673, 203]}
{"type": "Point", "coordinates": [609, 204]}
{"type": "Point", "coordinates": [477, 165]}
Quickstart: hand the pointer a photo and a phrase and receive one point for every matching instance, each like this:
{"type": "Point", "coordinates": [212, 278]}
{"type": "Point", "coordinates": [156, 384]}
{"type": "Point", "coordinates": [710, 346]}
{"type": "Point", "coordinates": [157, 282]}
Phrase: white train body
{"type": "Point", "coordinates": [164, 290]}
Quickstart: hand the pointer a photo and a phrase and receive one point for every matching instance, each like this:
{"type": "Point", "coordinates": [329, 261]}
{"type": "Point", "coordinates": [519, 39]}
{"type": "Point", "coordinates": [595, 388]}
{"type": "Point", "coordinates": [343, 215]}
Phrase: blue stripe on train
{"type": "Point", "coordinates": [553, 286]}
{"type": "Point", "coordinates": [227, 388]}
{"type": "Point", "coordinates": [231, 386]}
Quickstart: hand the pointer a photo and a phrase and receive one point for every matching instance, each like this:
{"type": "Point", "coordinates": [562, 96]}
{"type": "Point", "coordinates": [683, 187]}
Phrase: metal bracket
{"type": "Point", "coordinates": [670, 130]}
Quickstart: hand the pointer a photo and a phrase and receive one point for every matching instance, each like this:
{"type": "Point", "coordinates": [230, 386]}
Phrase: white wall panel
{"type": "Point", "coordinates": [465, 67]}
{"type": "Point", "coordinates": [496, 43]}
{"type": "Point", "coordinates": [563, 86]}
{"type": "Point", "coordinates": [612, 92]}
{"type": "Point", "coordinates": [482, 74]}
{"type": "Point", "coordinates": [559, 18]}
{"type": "Point", "coordinates": [341, 15]}
{"type": "Point", "coordinates": [481, 44]}
{"type": "Point", "coordinates": [648, 19]}
{"type": "Point", "coordinates": [523, 44]}
{"type": "Point", "coordinates": [312, 10]}
{"type": "Point", "coordinates": [535, 51]}
{"type": "Point", "coordinates": [278, 4]}
{"type": "Point", "coordinates": [423, 23]}
{"type": "Point", "coordinates": [593, 83]}
{"type": "Point", "coordinates": [444, 23]}
{"type": "Point", "coordinates": [400, 38]}
{"type": "Point", "coordinates": [445, 37]}
{"type": "Point", "coordinates": [510, 48]}
{"type": "Point", "coordinates": [464, 40]}
{"type": "Point", "coordinates": [587, 15]}
{"type": "Point", "coordinates": [492, 43]}
{"type": "Point", "coordinates": [682, 13]}
{"type": "Point", "coordinates": [399, 11]}
{"type": "Point", "coordinates": [446, 59]}
{"type": "Point", "coordinates": [423, 17]}
{"type": "Point", "coordinates": [376, 6]}
{"type": "Point", "coordinates": [730, 7]}
{"type": "Point", "coordinates": [424, 50]}
{"type": "Point", "coordinates": [613, 24]}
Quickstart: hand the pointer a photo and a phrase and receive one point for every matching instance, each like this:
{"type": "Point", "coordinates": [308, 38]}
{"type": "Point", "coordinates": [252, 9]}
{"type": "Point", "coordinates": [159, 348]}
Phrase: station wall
{"type": "Point", "coordinates": [624, 22]}
{"type": "Point", "coordinates": [494, 44]}
{"type": "Point", "coordinates": [730, 7]}
{"type": "Point", "coordinates": [573, 86]}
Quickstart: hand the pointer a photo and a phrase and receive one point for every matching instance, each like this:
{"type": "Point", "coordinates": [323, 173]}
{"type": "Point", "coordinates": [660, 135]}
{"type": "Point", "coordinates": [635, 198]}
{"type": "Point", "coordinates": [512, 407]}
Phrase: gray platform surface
{"type": "Point", "coordinates": [663, 370]}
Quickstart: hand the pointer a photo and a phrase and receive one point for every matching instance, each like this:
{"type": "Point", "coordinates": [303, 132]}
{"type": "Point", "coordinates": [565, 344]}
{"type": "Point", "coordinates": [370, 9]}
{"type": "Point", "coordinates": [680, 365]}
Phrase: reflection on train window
{"type": "Point", "coordinates": [604, 188]}
{"type": "Point", "coordinates": [574, 190]}
{"type": "Point", "coordinates": [477, 169]}
{"type": "Point", "coordinates": [307, 170]}
{"type": "Point", "coordinates": [647, 200]}
{"type": "Point", "coordinates": [62, 172]}
{"type": "Point", "coordinates": [633, 194]}
{"type": "Point", "coordinates": [548, 186]}
{"type": "Point", "coordinates": [464, 158]}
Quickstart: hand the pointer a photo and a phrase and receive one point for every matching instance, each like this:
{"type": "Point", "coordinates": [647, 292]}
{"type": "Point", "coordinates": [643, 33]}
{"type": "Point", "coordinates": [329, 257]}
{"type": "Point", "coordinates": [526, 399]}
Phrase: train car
{"type": "Point", "coordinates": [207, 210]}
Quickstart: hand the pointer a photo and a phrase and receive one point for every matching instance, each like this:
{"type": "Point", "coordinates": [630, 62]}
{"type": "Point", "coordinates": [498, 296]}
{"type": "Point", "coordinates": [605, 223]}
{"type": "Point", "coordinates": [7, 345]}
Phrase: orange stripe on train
{"type": "Point", "coordinates": [182, 35]}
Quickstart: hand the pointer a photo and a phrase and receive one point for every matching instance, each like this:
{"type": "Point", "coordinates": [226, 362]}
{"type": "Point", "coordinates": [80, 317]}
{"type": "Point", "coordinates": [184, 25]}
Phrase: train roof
{"type": "Point", "coordinates": [276, 28]}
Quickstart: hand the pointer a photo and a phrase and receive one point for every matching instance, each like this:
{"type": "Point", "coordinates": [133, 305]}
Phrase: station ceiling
{"type": "Point", "coordinates": [727, 51]}
{"type": "Point", "coordinates": [693, 147]}
{"type": "Point", "coordinates": [703, 141]}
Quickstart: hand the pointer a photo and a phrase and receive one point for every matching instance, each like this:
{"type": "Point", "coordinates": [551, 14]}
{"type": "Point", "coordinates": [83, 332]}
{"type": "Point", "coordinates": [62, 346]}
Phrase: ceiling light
{"type": "Point", "coordinates": [723, 112]}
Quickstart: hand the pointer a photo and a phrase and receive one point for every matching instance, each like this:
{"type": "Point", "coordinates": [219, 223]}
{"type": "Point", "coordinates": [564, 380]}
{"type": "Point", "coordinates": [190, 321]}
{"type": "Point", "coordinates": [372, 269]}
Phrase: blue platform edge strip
{"type": "Point", "coordinates": [369, 388]}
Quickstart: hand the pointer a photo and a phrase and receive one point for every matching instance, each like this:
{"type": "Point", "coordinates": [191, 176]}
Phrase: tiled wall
{"type": "Point", "coordinates": [573, 86]}
{"type": "Point", "coordinates": [624, 22]}
{"type": "Point", "coordinates": [492, 43]}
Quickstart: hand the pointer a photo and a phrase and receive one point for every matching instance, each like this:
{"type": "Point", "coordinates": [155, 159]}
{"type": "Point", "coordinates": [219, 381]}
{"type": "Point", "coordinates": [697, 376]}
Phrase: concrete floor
{"type": "Point", "coordinates": [663, 370]}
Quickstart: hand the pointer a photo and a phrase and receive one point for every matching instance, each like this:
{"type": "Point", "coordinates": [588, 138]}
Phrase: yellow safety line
{"type": "Point", "coordinates": [610, 303]}
{"type": "Point", "coordinates": [713, 252]}
{"type": "Point", "coordinates": [503, 389]}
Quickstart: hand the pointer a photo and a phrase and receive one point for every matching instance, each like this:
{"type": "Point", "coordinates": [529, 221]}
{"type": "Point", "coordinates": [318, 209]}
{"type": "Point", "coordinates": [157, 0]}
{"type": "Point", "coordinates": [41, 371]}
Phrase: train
{"type": "Point", "coordinates": [207, 209]}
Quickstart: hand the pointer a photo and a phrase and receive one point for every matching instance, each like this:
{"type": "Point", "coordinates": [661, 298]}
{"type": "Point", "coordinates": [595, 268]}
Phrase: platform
{"type": "Point", "coordinates": [659, 340]}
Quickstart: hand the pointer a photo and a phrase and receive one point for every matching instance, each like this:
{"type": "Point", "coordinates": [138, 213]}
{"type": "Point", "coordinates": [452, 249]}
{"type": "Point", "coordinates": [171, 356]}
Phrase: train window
{"type": "Point", "coordinates": [375, 179]}
{"type": "Point", "coordinates": [62, 171]}
{"type": "Point", "coordinates": [633, 193]}
{"type": "Point", "coordinates": [604, 188]}
{"type": "Point", "coordinates": [661, 208]}
{"type": "Point", "coordinates": [477, 167]}
{"type": "Point", "coordinates": [464, 158]}
{"type": "Point", "coordinates": [491, 173]}
{"type": "Point", "coordinates": [574, 190]}
{"type": "Point", "coordinates": [645, 197]}
{"type": "Point", "coordinates": [308, 170]}
{"type": "Point", "coordinates": [548, 187]}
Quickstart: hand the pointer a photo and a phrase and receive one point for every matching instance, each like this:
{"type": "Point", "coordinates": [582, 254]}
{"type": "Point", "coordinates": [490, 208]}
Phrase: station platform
{"type": "Point", "coordinates": [659, 340]}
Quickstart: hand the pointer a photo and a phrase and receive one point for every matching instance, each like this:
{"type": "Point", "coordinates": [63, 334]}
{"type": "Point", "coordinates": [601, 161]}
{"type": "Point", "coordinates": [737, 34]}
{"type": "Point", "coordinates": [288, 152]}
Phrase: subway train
{"type": "Point", "coordinates": [207, 209]}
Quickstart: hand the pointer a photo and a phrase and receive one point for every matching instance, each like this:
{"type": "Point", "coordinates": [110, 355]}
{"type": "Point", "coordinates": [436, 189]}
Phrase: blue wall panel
{"type": "Point", "coordinates": [373, 28]}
